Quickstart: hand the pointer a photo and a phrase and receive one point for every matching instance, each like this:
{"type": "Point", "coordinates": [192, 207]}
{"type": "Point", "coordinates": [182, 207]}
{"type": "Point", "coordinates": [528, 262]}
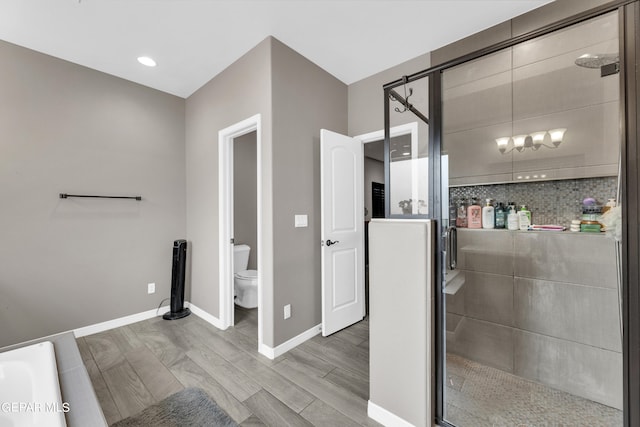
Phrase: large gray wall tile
{"type": "Point", "coordinates": [478, 103]}
{"type": "Point", "coordinates": [592, 139]}
{"type": "Point", "coordinates": [493, 35]}
{"type": "Point", "coordinates": [557, 84]}
{"type": "Point", "coordinates": [455, 302]}
{"type": "Point", "coordinates": [582, 36]}
{"type": "Point", "coordinates": [485, 342]}
{"type": "Point", "coordinates": [582, 370]}
{"type": "Point", "coordinates": [477, 69]}
{"type": "Point", "coordinates": [453, 320]}
{"type": "Point", "coordinates": [473, 153]}
{"type": "Point", "coordinates": [550, 13]}
{"type": "Point", "coordinates": [580, 258]}
{"type": "Point", "coordinates": [583, 314]}
{"type": "Point", "coordinates": [488, 251]}
{"type": "Point", "coordinates": [489, 297]}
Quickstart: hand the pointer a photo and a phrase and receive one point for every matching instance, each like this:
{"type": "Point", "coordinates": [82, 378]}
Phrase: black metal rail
{"type": "Point", "coordinates": [65, 196]}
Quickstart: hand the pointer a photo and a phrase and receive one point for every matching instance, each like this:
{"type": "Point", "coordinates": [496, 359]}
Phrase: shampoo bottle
{"type": "Point", "coordinates": [453, 212]}
{"type": "Point", "coordinates": [500, 216]}
{"type": "Point", "coordinates": [474, 215]}
{"type": "Point", "coordinates": [512, 219]}
{"type": "Point", "coordinates": [461, 217]}
{"type": "Point", "coordinates": [488, 218]}
{"type": "Point", "coordinates": [524, 218]}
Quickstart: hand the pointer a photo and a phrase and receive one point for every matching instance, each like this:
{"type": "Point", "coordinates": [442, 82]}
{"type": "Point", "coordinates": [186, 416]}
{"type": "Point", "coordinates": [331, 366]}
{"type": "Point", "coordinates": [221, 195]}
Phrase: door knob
{"type": "Point", "coordinates": [329, 242]}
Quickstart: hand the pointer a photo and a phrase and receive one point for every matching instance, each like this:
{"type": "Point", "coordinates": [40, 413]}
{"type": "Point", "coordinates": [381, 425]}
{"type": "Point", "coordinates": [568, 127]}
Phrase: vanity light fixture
{"type": "Point", "coordinates": [145, 60]}
{"type": "Point", "coordinates": [533, 141]}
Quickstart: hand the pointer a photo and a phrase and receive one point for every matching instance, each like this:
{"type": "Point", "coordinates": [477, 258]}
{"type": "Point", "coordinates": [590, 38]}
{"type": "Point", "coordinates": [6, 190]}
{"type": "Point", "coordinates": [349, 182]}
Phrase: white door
{"type": "Point", "coordinates": [342, 232]}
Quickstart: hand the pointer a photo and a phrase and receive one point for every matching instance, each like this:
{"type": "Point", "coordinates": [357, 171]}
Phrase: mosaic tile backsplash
{"type": "Point", "coordinates": [550, 202]}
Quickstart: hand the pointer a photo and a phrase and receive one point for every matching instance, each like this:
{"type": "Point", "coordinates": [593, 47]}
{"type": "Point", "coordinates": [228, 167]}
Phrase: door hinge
{"type": "Point", "coordinates": [233, 240]}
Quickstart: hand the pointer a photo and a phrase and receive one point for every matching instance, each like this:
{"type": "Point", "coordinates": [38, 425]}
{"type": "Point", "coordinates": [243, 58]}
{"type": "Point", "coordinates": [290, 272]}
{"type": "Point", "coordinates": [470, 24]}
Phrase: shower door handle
{"type": "Point", "coordinates": [452, 247]}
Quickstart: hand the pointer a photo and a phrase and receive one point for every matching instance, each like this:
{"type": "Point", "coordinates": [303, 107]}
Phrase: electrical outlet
{"type": "Point", "coordinates": [287, 311]}
{"type": "Point", "coordinates": [151, 288]}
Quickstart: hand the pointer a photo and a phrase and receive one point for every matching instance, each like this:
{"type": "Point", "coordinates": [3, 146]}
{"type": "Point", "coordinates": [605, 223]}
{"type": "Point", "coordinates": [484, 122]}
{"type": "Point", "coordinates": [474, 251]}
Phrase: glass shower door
{"type": "Point", "coordinates": [532, 314]}
{"type": "Point", "coordinates": [407, 149]}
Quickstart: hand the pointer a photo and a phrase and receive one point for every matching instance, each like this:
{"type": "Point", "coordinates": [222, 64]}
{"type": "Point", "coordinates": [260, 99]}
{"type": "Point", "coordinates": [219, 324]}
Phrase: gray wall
{"type": "Point", "coordinates": [245, 193]}
{"type": "Point", "coordinates": [70, 263]}
{"type": "Point", "coordinates": [366, 98]}
{"type": "Point", "coordinates": [296, 99]}
{"type": "Point", "coordinates": [305, 99]}
{"type": "Point", "coordinates": [239, 92]}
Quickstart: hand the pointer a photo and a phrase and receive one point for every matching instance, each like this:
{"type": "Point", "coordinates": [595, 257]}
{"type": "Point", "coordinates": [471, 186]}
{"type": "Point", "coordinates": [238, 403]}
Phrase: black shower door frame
{"type": "Point", "coordinates": [629, 15]}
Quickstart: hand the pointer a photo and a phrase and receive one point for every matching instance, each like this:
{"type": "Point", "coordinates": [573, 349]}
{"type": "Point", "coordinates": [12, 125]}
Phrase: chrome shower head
{"type": "Point", "coordinates": [591, 60]}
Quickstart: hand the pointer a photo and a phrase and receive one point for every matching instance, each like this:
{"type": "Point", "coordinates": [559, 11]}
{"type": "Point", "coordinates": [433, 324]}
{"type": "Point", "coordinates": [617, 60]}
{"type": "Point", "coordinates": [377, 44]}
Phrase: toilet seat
{"type": "Point", "coordinates": [247, 274]}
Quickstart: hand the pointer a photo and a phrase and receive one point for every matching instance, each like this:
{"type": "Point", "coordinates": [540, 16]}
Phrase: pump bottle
{"type": "Point", "coordinates": [488, 218]}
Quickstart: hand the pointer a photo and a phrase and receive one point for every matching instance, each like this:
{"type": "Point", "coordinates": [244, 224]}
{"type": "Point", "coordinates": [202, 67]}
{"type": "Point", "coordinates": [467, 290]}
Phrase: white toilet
{"type": "Point", "coordinates": [245, 282]}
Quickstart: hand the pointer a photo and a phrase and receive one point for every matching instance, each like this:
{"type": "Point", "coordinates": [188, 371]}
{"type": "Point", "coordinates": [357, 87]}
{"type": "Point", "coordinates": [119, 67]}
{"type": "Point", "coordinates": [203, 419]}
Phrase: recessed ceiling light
{"type": "Point", "coordinates": [406, 153]}
{"type": "Point", "coordinates": [145, 60]}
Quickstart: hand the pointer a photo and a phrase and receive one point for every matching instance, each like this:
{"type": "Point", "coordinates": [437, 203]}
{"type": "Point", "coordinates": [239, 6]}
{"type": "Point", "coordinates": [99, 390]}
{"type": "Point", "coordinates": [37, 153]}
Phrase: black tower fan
{"type": "Point", "coordinates": [177, 282]}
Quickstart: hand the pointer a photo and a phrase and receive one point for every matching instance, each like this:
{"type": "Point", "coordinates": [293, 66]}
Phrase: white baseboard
{"type": "Point", "coordinates": [272, 353]}
{"type": "Point", "coordinates": [265, 350]}
{"type": "Point", "coordinates": [204, 315]}
{"type": "Point", "coordinates": [138, 317]}
{"type": "Point", "coordinates": [385, 417]}
{"type": "Point", "coordinates": [121, 321]}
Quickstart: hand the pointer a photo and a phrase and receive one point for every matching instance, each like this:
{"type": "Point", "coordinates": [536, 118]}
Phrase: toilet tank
{"type": "Point", "coordinates": [240, 258]}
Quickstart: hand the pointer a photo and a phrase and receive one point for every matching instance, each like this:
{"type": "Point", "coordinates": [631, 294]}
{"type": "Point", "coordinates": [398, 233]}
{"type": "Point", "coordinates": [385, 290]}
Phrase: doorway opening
{"type": "Point", "coordinates": [245, 234]}
{"type": "Point", "coordinates": [373, 200]}
{"type": "Point", "coordinates": [240, 231]}
{"type": "Point", "coordinates": [374, 188]}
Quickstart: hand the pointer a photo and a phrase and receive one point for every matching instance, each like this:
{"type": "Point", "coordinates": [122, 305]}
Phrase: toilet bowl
{"type": "Point", "coordinates": [246, 288]}
{"type": "Point", "coordinates": [245, 282]}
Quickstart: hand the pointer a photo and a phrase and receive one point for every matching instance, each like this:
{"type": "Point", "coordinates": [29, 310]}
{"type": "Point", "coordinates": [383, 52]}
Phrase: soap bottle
{"type": "Point", "coordinates": [500, 219]}
{"type": "Point", "coordinates": [512, 218]}
{"type": "Point", "coordinates": [524, 218]}
{"type": "Point", "coordinates": [474, 215]}
{"type": "Point", "coordinates": [488, 218]}
{"type": "Point", "coordinates": [461, 217]}
{"type": "Point", "coordinates": [453, 212]}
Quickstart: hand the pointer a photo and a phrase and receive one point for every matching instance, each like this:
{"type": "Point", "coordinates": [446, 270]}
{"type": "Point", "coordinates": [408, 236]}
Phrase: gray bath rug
{"type": "Point", "coordinates": [189, 407]}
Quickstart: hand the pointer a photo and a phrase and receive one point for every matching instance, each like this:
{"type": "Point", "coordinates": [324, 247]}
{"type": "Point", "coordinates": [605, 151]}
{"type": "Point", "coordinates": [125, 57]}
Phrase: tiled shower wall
{"type": "Point", "coordinates": [550, 202]}
{"type": "Point", "coordinates": [542, 306]}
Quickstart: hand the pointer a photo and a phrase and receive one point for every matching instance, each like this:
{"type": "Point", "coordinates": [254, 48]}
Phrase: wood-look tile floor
{"type": "Point", "coordinates": [323, 382]}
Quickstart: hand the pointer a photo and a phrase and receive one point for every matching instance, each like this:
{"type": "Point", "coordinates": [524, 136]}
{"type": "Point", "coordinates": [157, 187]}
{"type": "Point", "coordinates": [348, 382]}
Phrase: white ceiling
{"type": "Point", "coordinates": [193, 40]}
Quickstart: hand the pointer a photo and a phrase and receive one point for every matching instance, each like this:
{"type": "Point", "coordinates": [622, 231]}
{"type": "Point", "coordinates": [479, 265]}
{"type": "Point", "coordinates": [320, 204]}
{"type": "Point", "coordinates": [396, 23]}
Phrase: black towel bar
{"type": "Point", "coordinates": [65, 195]}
